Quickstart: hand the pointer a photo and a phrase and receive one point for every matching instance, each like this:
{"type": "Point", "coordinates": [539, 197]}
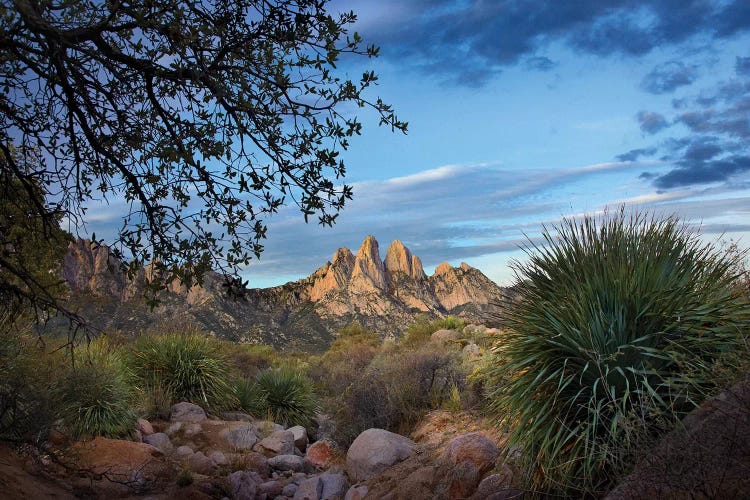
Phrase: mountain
{"type": "Point", "coordinates": [384, 295]}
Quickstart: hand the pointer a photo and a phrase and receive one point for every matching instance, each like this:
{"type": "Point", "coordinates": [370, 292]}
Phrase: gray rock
{"type": "Point", "coordinates": [287, 462]}
{"type": "Point", "coordinates": [186, 412]}
{"type": "Point", "coordinates": [173, 429]}
{"type": "Point", "coordinates": [300, 437]}
{"type": "Point", "coordinates": [289, 490]}
{"type": "Point", "coordinates": [218, 458]}
{"type": "Point", "coordinates": [182, 452]}
{"type": "Point", "coordinates": [278, 443]}
{"type": "Point", "coordinates": [244, 484]}
{"type": "Point", "coordinates": [144, 426]}
{"type": "Point", "coordinates": [200, 463]}
{"type": "Point", "coordinates": [356, 492]}
{"type": "Point", "coordinates": [471, 350]}
{"type": "Point", "coordinates": [160, 441]}
{"type": "Point", "coordinates": [241, 438]}
{"type": "Point", "coordinates": [271, 488]}
{"type": "Point", "coordinates": [311, 489]}
{"type": "Point", "coordinates": [236, 416]}
{"type": "Point", "coordinates": [334, 486]}
{"type": "Point", "coordinates": [375, 450]}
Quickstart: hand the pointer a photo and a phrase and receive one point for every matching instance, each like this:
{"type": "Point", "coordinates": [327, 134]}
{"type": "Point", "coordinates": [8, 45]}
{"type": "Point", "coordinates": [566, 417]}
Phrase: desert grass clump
{"type": "Point", "coordinates": [96, 395]}
{"type": "Point", "coordinates": [284, 395]}
{"type": "Point", "coordinates": [192, 367]}
{"type": "Point", "coordinates": [619, 319]}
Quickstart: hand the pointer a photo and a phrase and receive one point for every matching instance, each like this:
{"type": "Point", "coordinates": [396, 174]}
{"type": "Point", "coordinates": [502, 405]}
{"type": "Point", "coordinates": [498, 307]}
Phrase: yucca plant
{"type": "Point", "coordinates": [283, 394]}
{"type": "Point", "coordinates": [95, 397]}
{"type": "Point", "coordinates": [619, 321]}
{"type": "Point", "coordinates": [192, 367]}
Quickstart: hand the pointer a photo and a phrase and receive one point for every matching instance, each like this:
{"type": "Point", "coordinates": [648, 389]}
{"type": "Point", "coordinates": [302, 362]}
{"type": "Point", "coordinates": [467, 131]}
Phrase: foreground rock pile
{"type": "Point", "coordinates": [196, 456]}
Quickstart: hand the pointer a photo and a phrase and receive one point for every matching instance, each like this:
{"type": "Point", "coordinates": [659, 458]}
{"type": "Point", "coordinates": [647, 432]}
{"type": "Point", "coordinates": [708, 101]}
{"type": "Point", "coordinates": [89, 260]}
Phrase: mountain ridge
{"type": "Point", "coordinates": [385, 295]}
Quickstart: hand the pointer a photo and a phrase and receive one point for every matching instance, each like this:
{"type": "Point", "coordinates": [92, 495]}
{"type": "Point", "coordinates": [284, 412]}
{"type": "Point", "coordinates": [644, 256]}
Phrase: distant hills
{"type": "Point", "coordinates": [384, 295]}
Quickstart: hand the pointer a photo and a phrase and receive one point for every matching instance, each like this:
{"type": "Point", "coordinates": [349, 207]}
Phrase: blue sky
{"type": "Point", "coordinates": [522, 112]}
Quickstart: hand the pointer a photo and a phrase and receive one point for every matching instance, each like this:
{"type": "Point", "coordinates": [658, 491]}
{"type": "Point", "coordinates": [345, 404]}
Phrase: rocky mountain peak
{"type": "Point", "coordinates": [369, 271]}
{"type": "Point", "coordinates": [399, 259]}
{"type": "Point", "coordinates": [443, 268]}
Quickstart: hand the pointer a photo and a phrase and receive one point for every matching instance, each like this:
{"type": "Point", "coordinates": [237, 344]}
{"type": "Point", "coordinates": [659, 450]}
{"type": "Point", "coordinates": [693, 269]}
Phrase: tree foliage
{"type": "Point", "coordinates": [201, 117]}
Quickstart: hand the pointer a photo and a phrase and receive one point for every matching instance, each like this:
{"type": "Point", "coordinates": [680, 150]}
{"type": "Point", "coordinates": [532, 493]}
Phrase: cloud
{"type": "Point", "coordinates": [691, 172]}
{"type": "Point", "coordinates": [742, 66]}
{"type": "Point", "coordinates": [650, 122]}
{"type": "Point", "coordinates": [635, 154]}
{"type": "Point", "coordinates": [470, 41]}
{"type": "Point", "coordinates": [668, 77]}
{"type": "Point", "coordinates": [540, 63]}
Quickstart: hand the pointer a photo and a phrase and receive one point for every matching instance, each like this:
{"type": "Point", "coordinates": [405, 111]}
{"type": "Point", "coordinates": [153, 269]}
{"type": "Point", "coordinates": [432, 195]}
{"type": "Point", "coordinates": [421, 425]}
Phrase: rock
{"type": "Point", "coordinates": [218, 458]}
{"type": "Point", "coordinates": [399, 259]}
{"type": "Point", "coordinates": [311, 489]}
{"type": "Point", "coordinates": [182, 452]}
{"type": "Point", "coordinates": [444, 336]}
{"type": "Point", "coordinates": [186, 412]}
{"type": "Point", "coordinates": [463, 479]}
{"type": "Point", "coordinates": [272, 488]}
{"type": "Point", "coordinates": [375, 450]}
{"type": "Point", "coordinates": [264, 428]}
{"type": "Point", "coordinates": [287, 462]}
{"type": "Point", "coordinates": [474, 329]}
{"type": "Point", "coordinates": [474, 447]}
{"type": "Point", "coordinates": [278, 443]}
{"type": "Point", "coordinates": [145, 427]}
{"type": "Point", "coordinates": [190, 429]}
{"type": "Point", "coordinates": [161, 441]}
{"type": "Point", "coordinates": [472, 350]}
{"type": "Point", "coordinates": [300, 437]}
{"type": "Point", "coordinates": [241, 438]}
{"type": "Point", "coordinates": [356, 492]}
{"type": "Point", "coordinates": [244, 485]}
{"type": "Point", "coordinates": [57, 438]}
{"type": "Point", "coordinates": [289, 490]}
{"type": "Point", "coordinates": [369, 270]}
{"type": "Point", "coordinates": [321, 453]}
{"type": "Point", "coordinates": [257, 462]}
{"type": "Point", "coordinates": [173, 429]}
{"type": "Point", "coordinates": [200, 463]}
{"type": "Point", "coordinates": [497, 487]}
{"type": "Point", "coordinates": [335, 486]}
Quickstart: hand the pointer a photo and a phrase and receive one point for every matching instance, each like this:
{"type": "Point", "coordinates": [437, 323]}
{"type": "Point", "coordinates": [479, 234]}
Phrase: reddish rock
{"type": "Point", "coordinates": [474, 447]}
{"type": "Point", "coordinates": [145, 427]}
{"type": "Point", "coordinates": [321, 453]}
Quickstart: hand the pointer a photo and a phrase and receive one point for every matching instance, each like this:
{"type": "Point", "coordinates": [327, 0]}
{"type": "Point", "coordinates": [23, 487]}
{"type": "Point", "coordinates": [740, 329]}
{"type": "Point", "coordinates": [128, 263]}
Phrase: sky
{"type": "Point", "coordinates": [523, 112]}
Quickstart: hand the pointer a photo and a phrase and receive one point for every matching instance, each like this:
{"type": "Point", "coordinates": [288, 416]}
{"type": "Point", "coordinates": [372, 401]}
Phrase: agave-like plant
{"type": "Point", "coordinates": [191, 366]}
{"type": "Point", "coordinates": [619, 320]}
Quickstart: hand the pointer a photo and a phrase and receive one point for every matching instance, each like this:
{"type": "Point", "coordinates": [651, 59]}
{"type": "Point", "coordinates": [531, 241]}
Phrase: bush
{"type": "Point", "coordinates": [620, 320]}
{"type": "Point", "coordinates": [248, 360]}
{"type": "Point", "coordinates": [419, 332]}
{"type": "Point", "coordinates": [192, 367]}
{"type": "Point", "coordinates": [283, 395]}
{"type": "Point", "coordinates": [396, 389]}
{"type": "Point", "coordinates": [95, 396]}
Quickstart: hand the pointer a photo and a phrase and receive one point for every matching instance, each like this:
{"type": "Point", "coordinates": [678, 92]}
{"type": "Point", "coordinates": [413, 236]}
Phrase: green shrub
{"type": "Point", "coordinates": [283, 394]}
{"type": "Point", "coordinates": [248, 360]}
{"type": "Point", "coordinates": [614, 336]}
{"type": "Point", "coordinates": [96, 395]}
{"type": "Point", "coordinates": [396, 389]}
{"type": "Point", "coordinates": [419, 332]}
{"type": "Point", "coordinates": [192, 367]}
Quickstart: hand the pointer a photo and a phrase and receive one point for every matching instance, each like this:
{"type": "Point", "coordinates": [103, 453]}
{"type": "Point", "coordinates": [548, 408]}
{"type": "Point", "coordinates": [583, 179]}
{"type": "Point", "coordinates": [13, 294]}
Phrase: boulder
{"type": "Point", "coordinates": [200, 463]}
{"type": "Point", "coordinates": [257, 462]}
{"type": "Point", "coordinates": [186, 412]}
{"type": "Point", "coordinates": [182, 452]}
{"type": "Point", "coordinates": [356, 492]}
{"type": "Point", "coordinates": [289, 490]}
{"type": "Point", "coordinates": [278, 443]}
{"type": "Point", "coordinates": [300, 437]}
{"type": "Point", "coordinates": [335, 486]}
{"type": "Point", "coordinates": [310, 489]}
{"type": "Point", "coordinates": [144, 426]}
{"type": "Point", "coordinates": [244, 484]}
{"type": "Point", "coordinates": [471, 350]}
{"type": "Point", "coordinates": [160, 441]}
{"type": "Point", "coordinates": [287, 462]}
{"type": "Point", "coordinates": [463, 479]}
{"type": "Point", "coordinates": [497, 487]}
{"type": "Point", "coordinates": [241, 438]}
{"type": "Point", "coordinates": [375, 450]}
{"type": "Point", "coordinates": [218, 458]}
{"type": "Point", "coordinates": [272, 488]}
{"type": "Point", "coordinates": [321, 453]}
{"type": "Point", "coordinates": [474, 447]}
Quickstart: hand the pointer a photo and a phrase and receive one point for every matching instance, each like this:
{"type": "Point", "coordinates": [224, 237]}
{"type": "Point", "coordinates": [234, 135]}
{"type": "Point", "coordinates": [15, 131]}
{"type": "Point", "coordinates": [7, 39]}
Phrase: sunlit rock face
{"type": "Point", "coordinates": [383, 295]}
